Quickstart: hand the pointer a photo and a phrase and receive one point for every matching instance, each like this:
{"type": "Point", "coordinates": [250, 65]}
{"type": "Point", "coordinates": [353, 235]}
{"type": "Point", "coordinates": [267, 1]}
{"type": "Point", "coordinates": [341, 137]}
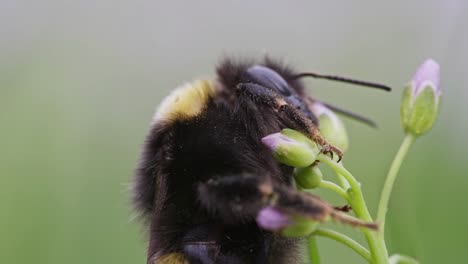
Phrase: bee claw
{"type": "Point", "coordinates": [345, 208]}
{"type": "Point", "coordinates": [331, 150]}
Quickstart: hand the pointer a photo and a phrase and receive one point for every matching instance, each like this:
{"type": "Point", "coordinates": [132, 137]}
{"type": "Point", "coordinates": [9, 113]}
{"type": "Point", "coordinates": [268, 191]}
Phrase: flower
{"type": "Point", "coordinates": [292, 148]}
{"type": "Point", "coordinates": [421, 97]}
{"type": "Point", "coordinates": [331, 126]}
{"type": "Point", "coordinates": [272, 219]}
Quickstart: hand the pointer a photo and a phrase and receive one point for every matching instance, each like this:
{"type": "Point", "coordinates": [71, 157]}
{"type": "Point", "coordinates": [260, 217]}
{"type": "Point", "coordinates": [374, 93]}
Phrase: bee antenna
{"type": "Point", "coordinates": [342, 79]}
{"type": "Point", "coordinates": [351, 115]}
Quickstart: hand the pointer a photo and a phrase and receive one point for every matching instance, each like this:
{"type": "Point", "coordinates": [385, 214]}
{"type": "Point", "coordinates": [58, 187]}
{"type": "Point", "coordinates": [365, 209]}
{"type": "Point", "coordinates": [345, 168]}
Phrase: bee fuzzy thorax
{"type": "Point", "coordinates": [186, 101]}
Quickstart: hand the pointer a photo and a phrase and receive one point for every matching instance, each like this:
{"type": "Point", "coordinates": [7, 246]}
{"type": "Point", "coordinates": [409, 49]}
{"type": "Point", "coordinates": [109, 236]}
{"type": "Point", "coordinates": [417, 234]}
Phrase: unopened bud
{"type": "Point", "coordinates": [308, 177]}
{"type": "Point", "coordinates": [421, 98]}
{"type": "Point", "coordinates": [331, 126]}
{"type": "Point", "coordinates": [292, 148]}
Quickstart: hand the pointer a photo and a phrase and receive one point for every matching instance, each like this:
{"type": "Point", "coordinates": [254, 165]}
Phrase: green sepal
{"type": "Point", "coordinates": [301, 227]}
{"type": "Point", "coordinates": [419, 115]}
{"type": "Point", "coordinates": [406, 106]}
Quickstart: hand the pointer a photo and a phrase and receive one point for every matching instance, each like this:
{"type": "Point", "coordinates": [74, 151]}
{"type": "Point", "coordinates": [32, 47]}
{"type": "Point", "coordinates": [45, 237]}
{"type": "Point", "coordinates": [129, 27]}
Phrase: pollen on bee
{"type": "Point", "coordinates": [171, 258]}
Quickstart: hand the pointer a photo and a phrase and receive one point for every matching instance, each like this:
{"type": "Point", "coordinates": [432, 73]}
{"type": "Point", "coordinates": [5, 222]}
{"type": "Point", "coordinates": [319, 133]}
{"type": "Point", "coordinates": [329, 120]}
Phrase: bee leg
{"type": "Point", "coordinates": [235, 197]}
{"type": "Point", "coordinates": [239, 198]}
{"type": "Point", "coordinates": [263, 95]}
{"type": "Point", "coordinates": [310, 206]}
{"type": "Point", "coordinates": [345, 208]}
{"type": "Point", "coordinates": [307, 205]}
{"type": "Point", "coordinates": [308, 127]}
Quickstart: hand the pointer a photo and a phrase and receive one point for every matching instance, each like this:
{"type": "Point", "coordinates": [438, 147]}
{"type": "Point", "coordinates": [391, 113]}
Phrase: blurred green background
{"type": "Point", "coordinates": [79, 81]}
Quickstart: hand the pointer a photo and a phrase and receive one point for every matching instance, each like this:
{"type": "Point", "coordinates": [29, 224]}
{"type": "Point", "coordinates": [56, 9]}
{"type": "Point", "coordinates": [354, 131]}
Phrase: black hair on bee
{"type": "Point", "coordinates": [204, 174]}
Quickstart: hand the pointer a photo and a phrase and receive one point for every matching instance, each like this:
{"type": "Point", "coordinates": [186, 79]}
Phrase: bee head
{"type": "Point", "coordinates": [272, 80]}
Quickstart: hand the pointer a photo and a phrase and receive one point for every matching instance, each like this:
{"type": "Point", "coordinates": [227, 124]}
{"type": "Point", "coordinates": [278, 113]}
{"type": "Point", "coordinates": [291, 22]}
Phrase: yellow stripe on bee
{"type": "Point", "coordinates": [186, 101]}
{"type": "Point", "coordinates": [171, 258]}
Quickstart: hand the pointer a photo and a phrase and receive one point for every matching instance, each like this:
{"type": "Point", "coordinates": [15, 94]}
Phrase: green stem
{"type": "Point", "coordinates": [376, 245]}
{"type": "Point", "coordinates": [349, 242]}
{"type": "Point", "coordinates": [356, 193]}
{"type": "Point", "coordinates": [343, 182]}
{"type": "Point", "coordinates": [390, 180]}
{"type": "Point", "coordinates": [334, 187]}
{"type": "Point", "coordinates": [313, 250]}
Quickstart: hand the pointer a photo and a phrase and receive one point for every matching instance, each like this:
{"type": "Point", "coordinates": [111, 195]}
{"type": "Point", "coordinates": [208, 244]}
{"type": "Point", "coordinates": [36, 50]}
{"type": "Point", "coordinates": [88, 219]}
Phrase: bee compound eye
{"type": "Point", "coordinates": [268, 78]}
{"type": "Point", "coordinates": [202, 252]}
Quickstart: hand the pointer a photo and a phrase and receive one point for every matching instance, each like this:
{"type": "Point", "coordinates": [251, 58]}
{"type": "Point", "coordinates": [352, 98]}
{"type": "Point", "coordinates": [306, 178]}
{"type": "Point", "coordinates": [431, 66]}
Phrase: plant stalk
{"type": "Point", "coordinates": [390, 181]}
{"type": "Point", "coordinates": [347, 241]}
{"type": "Point", "coordinates": [377, 246]}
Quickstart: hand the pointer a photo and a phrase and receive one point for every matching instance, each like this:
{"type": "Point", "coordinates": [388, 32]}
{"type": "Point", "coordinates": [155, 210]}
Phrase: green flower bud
{"type": "Point", "coordinates": [300, 227]}
{"type": "Point", "coordinates": [292, 148]}
{"type": "Point", "coordinates": [331, 126]}
{"type": "Point", "coordinates": [421, 97]}
{"type": "Point", "coordinates": [308, 177]}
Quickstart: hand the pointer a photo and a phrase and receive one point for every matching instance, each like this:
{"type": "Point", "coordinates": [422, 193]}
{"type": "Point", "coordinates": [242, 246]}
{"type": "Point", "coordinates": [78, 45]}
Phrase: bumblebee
{"type": "Point", "coordinates": [204, 174]}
